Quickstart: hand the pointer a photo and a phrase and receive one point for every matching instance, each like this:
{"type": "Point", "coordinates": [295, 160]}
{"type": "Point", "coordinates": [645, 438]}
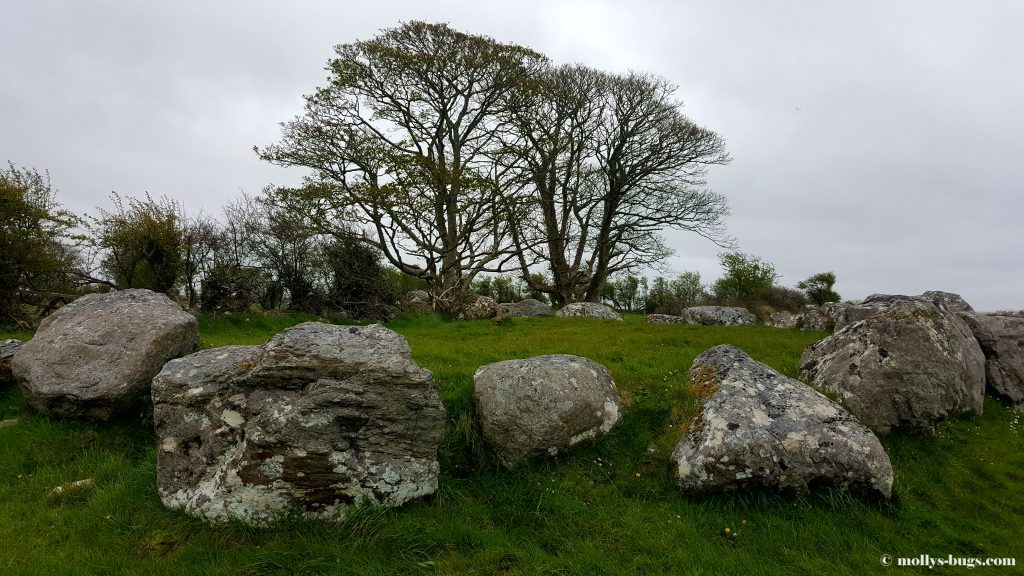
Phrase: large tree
{"type": "Point", "coordinates": [608, 161]}
{"type": "Point", "coordinates": [401, 143]}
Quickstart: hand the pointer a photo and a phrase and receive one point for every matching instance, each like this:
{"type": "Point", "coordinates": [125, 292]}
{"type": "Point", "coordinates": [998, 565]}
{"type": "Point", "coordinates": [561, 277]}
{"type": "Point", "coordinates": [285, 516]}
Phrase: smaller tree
{"type": "Point", "coordinates": [359, 282]}
{"type": "Point", "coordinates": [819, 288]}
{"type": "Point", "coordinates": [747, 278]}
{"type": "Point", "coordinates": [141, 242]}
{"type": "Point", "coordinates": [672, 296]}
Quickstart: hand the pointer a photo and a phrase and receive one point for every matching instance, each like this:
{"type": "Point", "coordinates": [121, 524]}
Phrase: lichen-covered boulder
{"type": "Point", "coordinates": [479, 308]}
{"type": "Point", "coordinates": [1002, 341]}
{"type": "Point", "coordinates": [718, 316]}
{"type": "Point", "coordinates": [526, 308]}
{"type": "Point", "coordinates": [319, 418]}
{"type": "Point", "coordinates": [544, 405]}
{"type": "Point", "coordinates": [7, 350]}
{"type": "Point", "coordinates": [664, 319]}
{"type": "Point", "coordinates": [782, 319]}
{"type": "Point", "coordinates": [909, 365]}
{"type": "Point", "coordinates": [416, 302]}
{"type": "Point", "coordinates": [952, 302]}
{"type": "Point", "coordinates": [760, 429]}
{"type": "Point", "coordinates": [96, 357]}
{"type": "Point", "coordinates": [588, 310]}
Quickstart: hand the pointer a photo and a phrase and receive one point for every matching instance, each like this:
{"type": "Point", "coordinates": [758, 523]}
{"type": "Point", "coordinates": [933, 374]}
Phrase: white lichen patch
{"type": "Point", "coordinates": [169, 444]}
{"type": "Point", "coordinates": [232, 418]}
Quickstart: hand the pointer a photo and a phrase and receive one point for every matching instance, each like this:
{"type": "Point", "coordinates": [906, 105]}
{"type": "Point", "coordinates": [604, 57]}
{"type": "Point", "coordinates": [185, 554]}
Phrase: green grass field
{"type": "Point", "coordinates": [608, 508]}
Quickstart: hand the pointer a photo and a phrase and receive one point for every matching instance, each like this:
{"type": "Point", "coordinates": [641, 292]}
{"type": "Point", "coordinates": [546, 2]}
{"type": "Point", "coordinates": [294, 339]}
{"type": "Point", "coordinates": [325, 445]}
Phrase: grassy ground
{"type": "Point", "coordinates": [609, 508]}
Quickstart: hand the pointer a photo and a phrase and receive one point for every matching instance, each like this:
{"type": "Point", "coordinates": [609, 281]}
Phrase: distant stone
{"type": "Point", "coordinates": [718, 316]}
{"type": "Point", "coordinates": [8, 423]}
{"type": "Point", "coordinates": [760, 429]}
{"type": "Point", "coordinates": [7, 350]}
{"type": "Point", "coordinates": [96, 357]}
{"type": "Point", "coordinates": [952, 302]}
{"type": "Point", "coordinates": [418, 297]}
{"type": "Point", "coordinates": [664, 319]}
{"type": "Point", "coordinates": [588, 310]}
{"type": "Point", "coordinates": [543, 406]}
{"type": "Point", "coordinates": [525, 308]}
{"type": "Point", "coordinates": [782, 319]}
{"type": "Point", "coordinates": [909, 365]}
{"type": "Point", "coordinates": [479, 308]}
{"type": "Point", "coordinates": [318, 419]}
{"type": "Point", "coordinates": [77, 486]}
{"type": "Point", "coordinates": [1002, 341]}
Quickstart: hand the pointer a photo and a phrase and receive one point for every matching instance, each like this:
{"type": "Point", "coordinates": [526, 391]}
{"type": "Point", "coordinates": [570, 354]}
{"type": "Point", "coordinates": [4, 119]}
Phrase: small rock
{"type": "Point", "coordinates": [664, 319]}
{"type": "Point", "coordinates": [525, 308]}
{"type": "Point", "coordinates": [77, 486]}
{"type": "Point", "coordinates": [718, 316]}
{"type": "Point", "coordinates": [7, 350]}
{"type": "Point", "coordinates": [480, 308]}
{"type": "Point", "coordinates": [1002, 341]}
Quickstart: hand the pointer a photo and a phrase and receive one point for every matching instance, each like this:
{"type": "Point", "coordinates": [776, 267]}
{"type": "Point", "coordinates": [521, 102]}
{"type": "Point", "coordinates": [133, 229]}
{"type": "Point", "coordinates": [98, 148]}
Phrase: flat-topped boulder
{"type": "Point", "coordinates": [664, 319]}
{"type": "Point", "coordinates": [718, 316]}
{"type": "Point", "coordinates": [760, 429]}
{"type": "Point", "coordinates": [526, 308]}
{"type": "Point", "coordinates": [543, 406]}
{"type": "Point", "coordinates": [588, 310]}
{"type": "Point", "coordinates": [96, 357]}
{"type": "Point", "coordinates": [316, 420]}
{"type": "Point", "coordinates": [7, 350]}
{"type": "Point", "coordinates": [1002, 341]}
{"type": "Point", "coordinates": [911, 364]}
{"type": "Point", "coordinates": [952, 302]}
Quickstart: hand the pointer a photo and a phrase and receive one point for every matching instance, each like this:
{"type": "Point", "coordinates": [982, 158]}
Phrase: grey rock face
{"type": "Point", "coordinates": [952, 302]}
{"type": "Point", "coordinates": [782, 319]}
{"type": "Point", "coordinates": [525, 308]}
{"type": "Point", "coordinates": [479, 308]}
{"type": "Point", "coordinates": [664, 319]}
{"type": "Point", "coordinates": [759, 428]}
{"type": "Point", "coordinates": [544, 405]}
{"type": "Point", "coordinates": [1002, 341]}
{"type": "Point", "coordinates": [317, 419]}
{"type": "Point", "coordinates": [718, 316]}
{"type": "Point", "coordinates": [909, 365]}
{"type": "Point", "coordinates": [589, 310]}
{"type": "Point", "coordinates": [95, 357]}
{"type": "Point", "coordinates": [417, 297]}
{"type": "Point", "coordinates": [816, 319]}
{"type": "Point", "coordinates": [7, 350]}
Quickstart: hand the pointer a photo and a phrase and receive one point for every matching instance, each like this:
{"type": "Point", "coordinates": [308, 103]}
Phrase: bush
{"type": "Point", "coordinates": [232, 288]}
{"type": "Point", "coordinates": [747, 279]}
{"type": "Point", "coordinates": [360, 285]}
{"type": "Point", "coordinates": [819, 288]}
{"type": "Point", "coordinates": [781, 298]}
{"type": "Point", "coordinates": [672, 296]}
{"type": "Point", "coordinates": [141, 242]}
{"type": "Point", "coordinates": [34, 255]}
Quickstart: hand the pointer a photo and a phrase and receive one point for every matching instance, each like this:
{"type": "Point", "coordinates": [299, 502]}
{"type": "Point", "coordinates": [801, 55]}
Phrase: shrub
{"type": "Point", "coordinates": [672, 296]}
{"type": "Point", "coordinates": [819, 288]}
{"type": "Point", "coordinates": [359, 283]}
{"type": "Point", "coordinates": [781, 298]}
{"type": "Point", "coordinates": [747, 278]}
{"type": "Point", "coordinates": [232, 288]}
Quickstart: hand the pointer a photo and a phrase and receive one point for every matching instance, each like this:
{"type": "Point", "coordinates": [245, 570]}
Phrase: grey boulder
{"type": "Point", "coordinates": [526, 308]}
{"type": "Point", "coordinates": [782, 319]}
{"type": "Point", "coordinates": [952, 302]}
{"type": "Point", "coordinates": [544, 405]}
{"type": "Point", "coordinates": [664, 319]}
{"type": "Point", "coordinates": [1002, 341]}
{"type": "Point", "coordinates": [319, 418]}
{"type": "Point", "coordinates": [718, 316]}
{"type": "Point", "coordinates": [909, 365]}
{"type": "Point", "coordinates": [95, 357]}
{"type": "Point", "coordinates": [7, 350]}
{"type": "Point", "coordinates": [588, 310]}
{"type": "Point", "coordinates": [479, 308]}
{"type": "Point", "coordinates": [760, 429]}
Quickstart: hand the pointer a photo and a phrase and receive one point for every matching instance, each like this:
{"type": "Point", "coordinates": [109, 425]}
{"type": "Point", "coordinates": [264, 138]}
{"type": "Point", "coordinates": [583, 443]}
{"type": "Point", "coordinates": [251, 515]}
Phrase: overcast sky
{"type": "Point", "coordinates": [881, 140]}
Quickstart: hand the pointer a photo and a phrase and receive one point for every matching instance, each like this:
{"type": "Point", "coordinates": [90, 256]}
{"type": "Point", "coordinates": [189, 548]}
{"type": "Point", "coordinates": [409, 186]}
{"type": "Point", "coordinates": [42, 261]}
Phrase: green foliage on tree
{"type": "Point", "coordinates": [141, 242]}
{"type": "Point", "coordinates": [672, 296]}
{"type": "Point", "coordinates": [746, 278]}
{"type": "Point", "coordinates": [359, 285]}
{"type": "Point", "coordinates": [229, 287]}
{"type": "Point", "coordinates": [819, 288]}
{"type": "Point", "coordinates": [626, 293]}
{"type": "Point", "coordinates": [35, 234]}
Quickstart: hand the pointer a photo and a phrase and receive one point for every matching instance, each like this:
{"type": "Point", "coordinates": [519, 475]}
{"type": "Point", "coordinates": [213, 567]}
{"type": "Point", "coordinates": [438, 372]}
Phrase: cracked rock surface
{"type": "Point", "coordinates": [909, 365]}
{"type": "Point", "coordinates": [588, 310]}
{"type": "Point", "coordinates": [319, 418]}
{"type": "Point", "coordinates": [761, 429]}
{"type": "Point", "coordinates": [544, 405]}
{"type": "Point", "coordinates": [96, 357]}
